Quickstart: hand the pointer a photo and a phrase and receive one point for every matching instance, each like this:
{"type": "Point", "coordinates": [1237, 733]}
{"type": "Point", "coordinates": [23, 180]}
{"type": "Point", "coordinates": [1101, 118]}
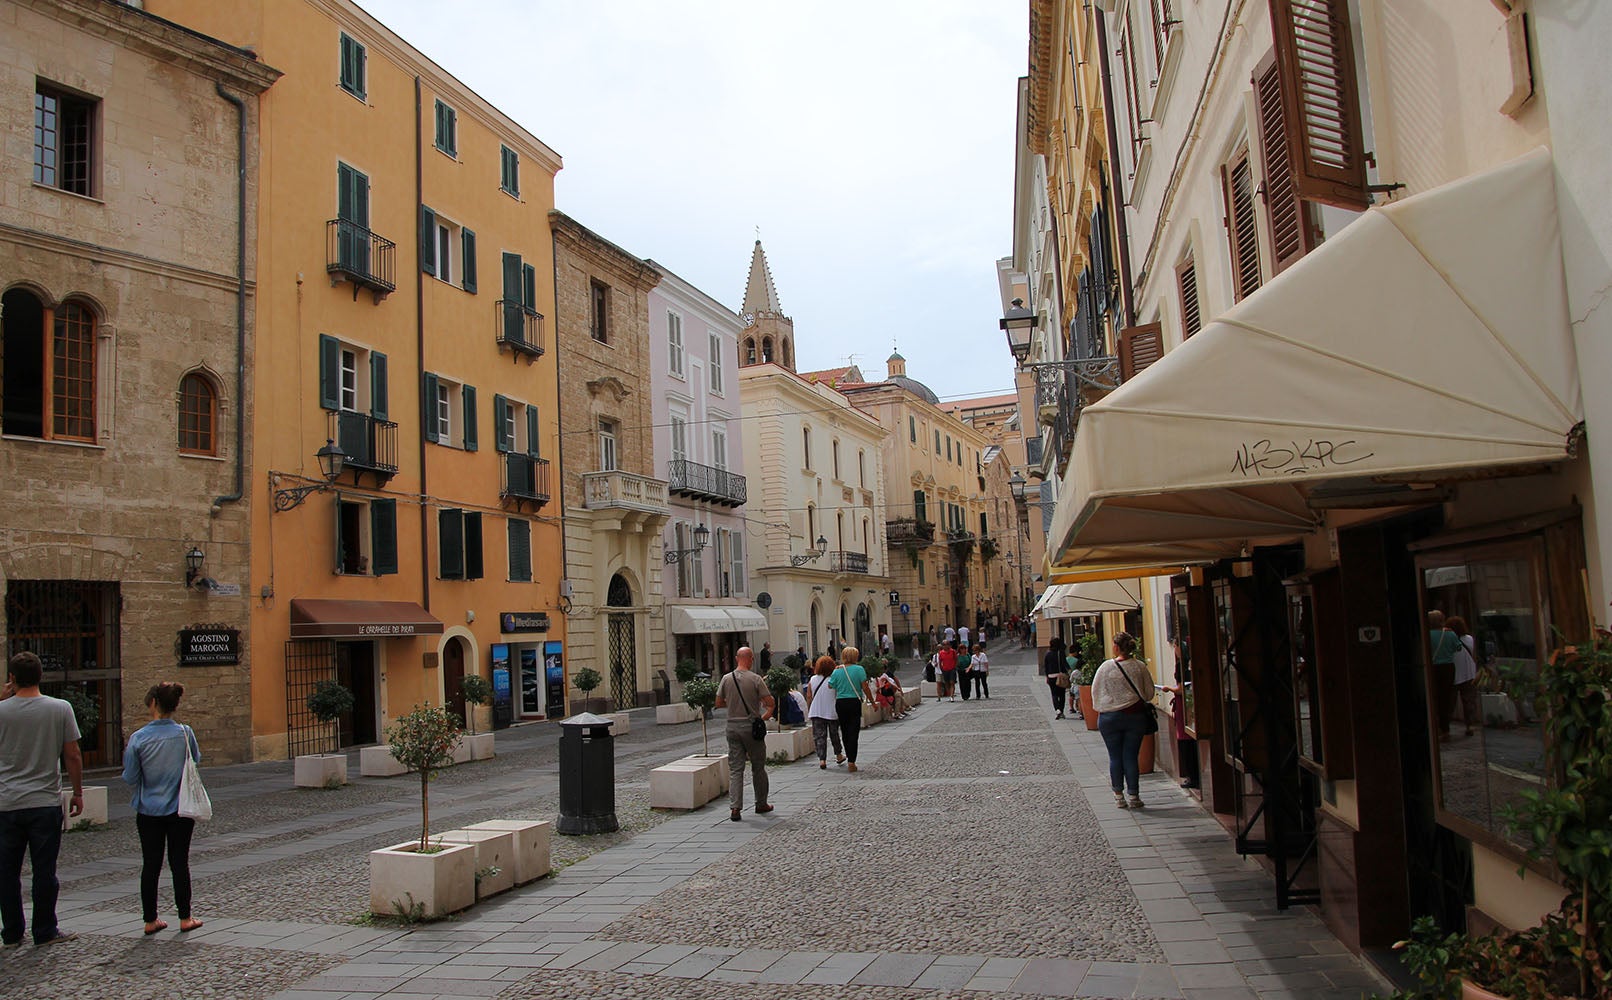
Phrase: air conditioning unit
{"type": "Point", "coordinates": [566, 590]}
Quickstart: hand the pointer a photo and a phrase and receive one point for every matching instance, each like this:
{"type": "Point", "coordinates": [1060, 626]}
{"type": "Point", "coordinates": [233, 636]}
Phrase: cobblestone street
{"type": "Point", "coordinates": [977, 853]}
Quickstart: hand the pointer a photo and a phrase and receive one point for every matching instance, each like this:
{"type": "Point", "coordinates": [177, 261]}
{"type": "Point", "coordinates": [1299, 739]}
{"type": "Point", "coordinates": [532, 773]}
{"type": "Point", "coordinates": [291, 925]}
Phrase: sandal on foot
{"type": "Point", "coordinates": [155, 926]}
{"type": "Point", "coordinates": [188, 925]}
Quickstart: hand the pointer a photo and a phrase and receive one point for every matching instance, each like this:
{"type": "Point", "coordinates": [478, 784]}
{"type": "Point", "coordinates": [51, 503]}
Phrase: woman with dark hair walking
{"type": "Point", "coordinates": [152, 766]}
{"type": "Point", "coordinates": [1053, 668]}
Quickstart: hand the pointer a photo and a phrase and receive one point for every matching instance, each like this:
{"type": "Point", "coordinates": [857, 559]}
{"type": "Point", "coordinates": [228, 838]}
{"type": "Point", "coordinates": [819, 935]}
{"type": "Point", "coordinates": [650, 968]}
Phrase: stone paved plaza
{"type": "Point", "coordinates": [977, 853]}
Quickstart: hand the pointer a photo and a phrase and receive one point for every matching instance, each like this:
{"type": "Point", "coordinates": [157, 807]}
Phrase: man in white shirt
{"type": "Point", "coordinates": [962, 636]}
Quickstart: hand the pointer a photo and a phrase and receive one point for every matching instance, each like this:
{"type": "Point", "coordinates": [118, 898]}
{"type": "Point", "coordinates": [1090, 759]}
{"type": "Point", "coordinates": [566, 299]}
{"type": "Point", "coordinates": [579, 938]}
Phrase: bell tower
{"type": "Point", "coordinates": [768, 335]}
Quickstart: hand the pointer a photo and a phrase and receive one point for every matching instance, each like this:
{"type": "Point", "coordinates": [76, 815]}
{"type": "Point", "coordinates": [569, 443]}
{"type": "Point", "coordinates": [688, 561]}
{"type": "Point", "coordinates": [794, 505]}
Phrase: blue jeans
{"type": "Point", "coordinates": [1122, 733]}
{"type": "Point", "coordinates": [39, 833]}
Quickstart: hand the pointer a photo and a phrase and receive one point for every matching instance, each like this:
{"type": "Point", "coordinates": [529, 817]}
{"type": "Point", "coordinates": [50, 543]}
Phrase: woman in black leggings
{"type": "Point", "coordinates": [153, 764]}
{"type": "Point", "coordinates": [1051, 666]}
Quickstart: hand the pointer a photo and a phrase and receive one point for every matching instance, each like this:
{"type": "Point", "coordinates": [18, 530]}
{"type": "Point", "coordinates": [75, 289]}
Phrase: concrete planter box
{"type": "Point", "coordinates": [622, 722]}
{"type": "Point", "coordinates": [461, 751]}
{"type": "Point", "coordinates": [532, 839]}
{"type": "Point", "coordinates": [1495, 706]}
{"type": "Point", "coordinates": [494, 849]}
{"type": "Point", "coordinates": [320, 770]}
{"type": "Point", "coordinates": [94, 807]}
{"type": "Point", "coordinates": [914, 695]}
{"type": "Point", "coordinates": [481, 746]}
{"type": "Point", "coordinates": [872, 715]}
{"type": "Point", "coordinates": [443, 883]}
{"type": "Point", "coordinates": [688, 783]}
{"type": "Point", "coordinates": [378, 762]}
{"type": "Point", "coordinates": [930, 689]}
{"type": "Point", "coordinates": [676, 713]}
{"type": "Point", "coordinates": [792, 743]}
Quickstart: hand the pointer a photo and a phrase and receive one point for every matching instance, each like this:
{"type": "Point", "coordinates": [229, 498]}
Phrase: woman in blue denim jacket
{"type": "Point", "coordinates": [152, 766]}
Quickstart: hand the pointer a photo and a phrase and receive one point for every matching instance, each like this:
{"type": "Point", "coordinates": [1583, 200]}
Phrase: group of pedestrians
{"type": "Point", "coordinates": [39, 739]}
{"type": "Point", "coordinates": [957, 665]}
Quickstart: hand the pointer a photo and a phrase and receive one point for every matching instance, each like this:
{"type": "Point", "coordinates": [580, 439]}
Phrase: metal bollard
{"type": "Point", "coordinates": [587, 775]}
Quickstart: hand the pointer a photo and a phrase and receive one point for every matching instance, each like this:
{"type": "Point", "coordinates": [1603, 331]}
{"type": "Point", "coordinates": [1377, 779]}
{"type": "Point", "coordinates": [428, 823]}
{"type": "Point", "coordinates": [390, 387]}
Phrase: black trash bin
{"type": "Point", "coordinates": [587, 775]}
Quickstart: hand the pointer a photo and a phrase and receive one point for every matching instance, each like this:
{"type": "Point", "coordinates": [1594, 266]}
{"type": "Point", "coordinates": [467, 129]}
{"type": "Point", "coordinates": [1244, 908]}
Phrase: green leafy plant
{"type": "Point", "coordinates": [477, 690]}
{"type": "Point", "coordinates": [328, 702]}
{"type": "Point", "coordinates": [410, 913]}
{"type": "Point", "coordinates": [794, 662]}
{"type": "Point", "coordinates": [85, 711]}
{"type": "Point", "coordinates": [987, 549]}
{"type": "Point", "coordinates": [686, 669]}
{"type": "Point", "coordinates": [586, 680]}
{"type": "Point", "coordinates": [780, 680]}
{"type": "Point", "coordinates": [700, 695]}
{"type": "Point", "coordinates": [423, 741]}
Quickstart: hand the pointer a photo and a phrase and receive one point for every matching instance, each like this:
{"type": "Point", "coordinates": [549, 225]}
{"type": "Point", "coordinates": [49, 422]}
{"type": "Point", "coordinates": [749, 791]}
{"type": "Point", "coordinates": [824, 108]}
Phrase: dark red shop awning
{"type": "Point", "coordinates": [317, 619]}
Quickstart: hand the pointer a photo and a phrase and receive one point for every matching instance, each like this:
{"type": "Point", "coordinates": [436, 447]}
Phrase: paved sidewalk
{"type": "Point", "coordinates": [978, 852]}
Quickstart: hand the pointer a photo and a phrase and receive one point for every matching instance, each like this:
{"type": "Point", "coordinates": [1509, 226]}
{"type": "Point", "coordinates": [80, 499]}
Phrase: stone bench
{"type": "Point", "coordinates": [792, 743]}
{"type": "Point", "coordinates": [533, 840]}
{"type": "Point", "coordinates": [378, 762]}
{"type": "Point", "coordinates": [495, 849]}
{"type": "Point", "coordinates": [676, 713]}
{"type": "Point", "coordinates": [319, 770]}
{"type": "Point", "coordinates": [872, 714]}
{"type": "Point", "coordinates": [621, 723]}
{"type": "Point", "coordinates": [688, 783]}
{"type": "Point", "coordinates": [914, 696]}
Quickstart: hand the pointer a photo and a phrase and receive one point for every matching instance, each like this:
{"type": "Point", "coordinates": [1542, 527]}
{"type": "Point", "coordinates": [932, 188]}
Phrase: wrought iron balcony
{"type": "Point", "coordinates": [624, 490]}
{"type": "Point", "coordinates": [706, 482]}
{"type": "Point", "coordinates": [520, 328]}
{"type": "Point", "coordinates": [353, 253]}
{"type": "Point", "coordinates": [915, 531]}
{"type": "Point", "coordinates": [848, 562]}
{"type": "Point", "coordinates": [526, 479]}
{"type": "Point", "coordinates": [369, 443]}
{"type": "Point", "coordinates": [1062, 389]}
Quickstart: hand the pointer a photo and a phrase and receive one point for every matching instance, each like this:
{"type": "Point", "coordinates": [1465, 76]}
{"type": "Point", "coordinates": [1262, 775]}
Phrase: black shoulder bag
{"type": "Point", "coordinates": [758, 725]}
{"type": "Point", "coordinates": [1151, 721]}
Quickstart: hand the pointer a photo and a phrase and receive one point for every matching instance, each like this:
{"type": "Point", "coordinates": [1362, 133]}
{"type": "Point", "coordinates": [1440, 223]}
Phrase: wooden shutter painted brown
{"type": "Point", "coordinates": [1237, 182]}
{"type": "Point", "coordinates": [1186, 282]}
{"type": "Point", "coordinates": [1139, 347]}
{"type": "Point", "coordinates": [1291, 233]}
{"type": "Point", "coordinates": [1320, 100]}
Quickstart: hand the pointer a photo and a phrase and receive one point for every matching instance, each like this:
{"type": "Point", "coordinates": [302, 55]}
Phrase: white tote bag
{"type": "Point", "coordinates": [193, 800]}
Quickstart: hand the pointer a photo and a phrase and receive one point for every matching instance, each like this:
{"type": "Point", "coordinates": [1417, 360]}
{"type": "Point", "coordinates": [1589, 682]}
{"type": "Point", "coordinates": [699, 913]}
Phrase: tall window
{"type": "Point", "coordinates": [64, 140]}
{"type": "Point", "coordinates": [509, 171]}
{"type": "Point", "coordinates": [198, 416]}
{"type": "Point", "coordinates": [447, 129]}
{"type": "Point", "coordinates": [1237, 179]}
{"type": "Point", "coordinates": [719, 447]}
{"type": "Point", "coordinates": [912, 430]}
{"type": "Point", "coordinates": [72, 395]}
{"type": "Point", "coordinates": [349, 379]}
{"type": "Point", "coordinates": [354, 71]}
{"type": "Point", "coordinates": [519, 534]}
{"type": "Point", "coordinates": [450, 412]}
{"type": "Point", "coordinates": [679, 437]}
{"type": "Point", "coordinates": [835, 448]}
{"type": "Point", "coordinates": [674, 343]}
{"type": "Point", "coordinates": [716, 363]}
{"type": "Point", "coordinates": [599, 311]}
{"type": "Point", "coordinates": [806, 447]}
{"type": "Point", "coordinates": [459, 548]}
{"type": "Point", "coordinates": [861, 467]}
{"type": "Point", "coordinates": [811, 526]}
{"type": "Point", "coordinates": [607, 446]}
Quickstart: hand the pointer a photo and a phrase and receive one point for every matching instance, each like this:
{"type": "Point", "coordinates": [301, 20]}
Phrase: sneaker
{"type": "Point", "coordinates": [1119, 800]}
{"type": "Point", "coordinates": [1058, 716]}
{"type": "Point", "coordinates": [1136, 803]}
{"type": "Point", "coordinates": [57, 938]}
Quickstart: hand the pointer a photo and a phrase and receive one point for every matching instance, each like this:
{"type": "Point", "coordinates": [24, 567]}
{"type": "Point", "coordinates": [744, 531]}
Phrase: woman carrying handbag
{"type": "Point", "coordinates": [154, 765]}
{"type": "Point", "coordinates": [1122, 692]}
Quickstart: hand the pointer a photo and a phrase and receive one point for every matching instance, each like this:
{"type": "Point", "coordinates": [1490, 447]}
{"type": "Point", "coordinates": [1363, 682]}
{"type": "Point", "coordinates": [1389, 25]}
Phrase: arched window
{"type": "Point", "coordinates": [766, 349]}
{"type": "Point", "coordinates": [198, 415]}
{"type": "Point", "coordinates": [806, 447]}
{"type": "Point", "coordinates": [811, 526]}
{"type": "Point", "coordinates": [749, 350]}
{"type": "Point", "coordinates": [789, 354]}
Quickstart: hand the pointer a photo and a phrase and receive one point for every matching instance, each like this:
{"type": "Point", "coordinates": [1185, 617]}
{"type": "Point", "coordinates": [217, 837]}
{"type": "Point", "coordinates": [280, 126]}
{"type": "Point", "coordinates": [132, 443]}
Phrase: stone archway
{"type": "Point", "coordinates": [622, 639]}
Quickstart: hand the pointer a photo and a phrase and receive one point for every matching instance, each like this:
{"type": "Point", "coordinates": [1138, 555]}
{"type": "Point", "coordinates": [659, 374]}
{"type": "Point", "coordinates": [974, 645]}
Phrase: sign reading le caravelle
{"type": "Point", "coordinates": [209, 646]}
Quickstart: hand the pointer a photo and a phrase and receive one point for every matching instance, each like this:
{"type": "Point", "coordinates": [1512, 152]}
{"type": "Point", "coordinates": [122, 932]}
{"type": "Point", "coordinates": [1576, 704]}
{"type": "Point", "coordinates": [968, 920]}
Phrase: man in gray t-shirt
{"type": "Point", "coordinates": [37, 733]}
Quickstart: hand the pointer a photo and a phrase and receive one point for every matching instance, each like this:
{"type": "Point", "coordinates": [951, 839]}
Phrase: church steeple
{"type": "Point", "coordinates": [769, 335]}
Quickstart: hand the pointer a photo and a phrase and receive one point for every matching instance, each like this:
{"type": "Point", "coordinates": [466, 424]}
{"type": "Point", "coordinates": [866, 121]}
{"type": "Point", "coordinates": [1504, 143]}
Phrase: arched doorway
{"type": "Point", "coordinates": [623, 644]}
{"type": "Point", "coordinates": [864, 629]}
{"type": "Point", "coordinates": [453, 678]}
{"type": "Point", "coordinates": [817, 628]}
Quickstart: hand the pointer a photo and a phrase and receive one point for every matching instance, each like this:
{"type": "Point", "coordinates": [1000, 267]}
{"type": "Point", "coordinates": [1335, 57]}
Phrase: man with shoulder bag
{"type": "Point", "coordinates": [749, 706]}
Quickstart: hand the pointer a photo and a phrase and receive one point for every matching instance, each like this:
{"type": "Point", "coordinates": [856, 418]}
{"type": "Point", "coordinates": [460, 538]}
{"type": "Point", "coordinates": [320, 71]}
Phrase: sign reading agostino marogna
{"type": "Point", "coordinates": [209, 646]}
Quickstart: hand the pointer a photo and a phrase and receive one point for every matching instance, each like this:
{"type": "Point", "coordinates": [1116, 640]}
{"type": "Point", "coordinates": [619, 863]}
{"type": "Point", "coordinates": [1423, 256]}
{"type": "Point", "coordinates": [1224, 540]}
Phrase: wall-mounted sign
{"type": "Point", "coordinates": [209, 647]}
{"type": "Point", "coordinates": [523, 621]}
{"type": "Point", "coordinates": [763, 600]}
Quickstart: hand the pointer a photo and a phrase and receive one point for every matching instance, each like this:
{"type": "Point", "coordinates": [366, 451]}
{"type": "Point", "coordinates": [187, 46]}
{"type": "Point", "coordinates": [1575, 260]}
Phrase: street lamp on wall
{"type": "Point", "coordinates": [331, 462]}
{"type": "Point", "coordinates": [810, 555]}
{"type": "Point", "coordinates": [702, 535]}
{"type": "Point", "coordinates": [193, 564]}
{"type": "Point", "coordinates": [1018, 323]}
{"type": "Point", "coordinates": [1017, 484]}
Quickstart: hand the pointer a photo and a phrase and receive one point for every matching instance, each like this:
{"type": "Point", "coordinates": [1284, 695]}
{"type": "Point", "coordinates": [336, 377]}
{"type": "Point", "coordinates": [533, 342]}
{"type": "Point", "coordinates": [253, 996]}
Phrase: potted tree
{"type": "Point", "coordinates": [700, 695]}
{"type": "Point", "coordinates": [793, 741]}
{"type": "Point", "coordinates": [586, 680]}
{"type": "Point", "coordinates": [1091, 657]}
{"type": "Point", "coordinates": [692, 781]}
{"type": "Point", "coordinates": [88, 716]}
{"type": "Point", "coordinates": [477, 691]}
{"type": "Point", "coordinates": [327, 702]}
{"type": "Point", "coordinates": [420, 878]}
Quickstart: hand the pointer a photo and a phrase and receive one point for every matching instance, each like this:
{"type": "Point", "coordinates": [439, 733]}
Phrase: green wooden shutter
{"type": "Point", "coordinates": [468, 396]}
{"type": "Point", "coordinates": [512, 277]}
{"type": "Point", "coordinates": [428, 407]}
{"type": "Point", "coordinates": [428, 240]}
{"type": "Point", "coordinates": [451, 544]}
{"type": "Point", "coordinates": [383, 536]}
{"type": "Point", "coordinates": [377, 385]}
{"type": "Point", "coordinates": [529, 287]}
{"type": "Point", "coordinates": [467, 269]}
{"type": "Point", "coordinates": [473, 560]}
{"type": "Point", "coordinates": [337, 508]}
{"type": "Point", "coordinates": [532, 448]}
{"type": "Point", "coordinates": [346, 185]}
{"type": "Point", "coordinates": [501, 426]}
{"type": "Point", "coordinates": [329, 372]}
{"type": "Point", "coordinates": [520, 551]}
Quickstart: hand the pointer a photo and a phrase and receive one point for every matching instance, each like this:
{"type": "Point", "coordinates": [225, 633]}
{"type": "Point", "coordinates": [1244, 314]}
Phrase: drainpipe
{"type": "Point", "coordinates": [419, 347]}
{"type": "Point", "coordinates": [1127, 302]}
{"type": "Point", "coordinates": [240, 301]}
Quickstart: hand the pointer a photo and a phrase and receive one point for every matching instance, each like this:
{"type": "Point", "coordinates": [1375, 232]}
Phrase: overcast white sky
{"type": "Point", "coordinates": [870, 140]}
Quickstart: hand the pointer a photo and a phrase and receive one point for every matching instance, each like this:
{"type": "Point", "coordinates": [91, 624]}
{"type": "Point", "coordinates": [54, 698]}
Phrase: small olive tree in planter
{"type": "Point", "coordinates": [433, 879]}
{"type": "Point", "coordinates": [793, 742]}
{"type": "Point", "coordinates": [586, 680]}
{"type": "Point", "coordinates": [327, 702]}
{"type": "Point", "coordinates": [700, 695]}
{"type": "Point", "coordinates": [780, 680]}
{"type": "Point", "coordinates": [88, 716]}
{"type": "Point", "coordinates": [477, 691]}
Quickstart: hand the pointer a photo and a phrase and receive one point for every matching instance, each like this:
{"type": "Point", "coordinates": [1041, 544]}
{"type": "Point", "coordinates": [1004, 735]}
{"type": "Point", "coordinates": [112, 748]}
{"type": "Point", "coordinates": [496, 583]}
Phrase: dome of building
{"type": "Point", "coordinates": [915, 387]}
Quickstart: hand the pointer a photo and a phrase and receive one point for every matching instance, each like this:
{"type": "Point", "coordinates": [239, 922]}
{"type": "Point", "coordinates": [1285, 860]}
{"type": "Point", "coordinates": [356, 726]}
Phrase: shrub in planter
{"type": "Point", "coordinates": [477, 691]}
{"type": "Point", "coordinates": [700, 695]}
{"type": "Point", "coordinates": [586, 680]}
{"type": "Point", "coordinates": [780, 680]}
{"type": "Point", "coordinates": [686, 670]}
{"type": "Point", "coordinates": [423, 741]}
{"type": "Point", "coordinates": [85, 711]}
{"type": "Point", "coordinates": [328, 702]}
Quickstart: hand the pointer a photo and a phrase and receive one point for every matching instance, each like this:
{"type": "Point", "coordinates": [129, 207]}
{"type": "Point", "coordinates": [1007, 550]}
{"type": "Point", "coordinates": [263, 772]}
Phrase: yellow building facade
{"type": "Point", "coordinates": [404, 276]}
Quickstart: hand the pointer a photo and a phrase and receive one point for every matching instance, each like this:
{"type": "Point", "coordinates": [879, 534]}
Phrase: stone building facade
{"type": "Point", "coordinates": [126, 275]}
{"type": "Point", "coordinates": [614, 504]}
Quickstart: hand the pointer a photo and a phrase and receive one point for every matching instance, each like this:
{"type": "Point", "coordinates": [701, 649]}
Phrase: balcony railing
{"type": "Point", "coordinates": [353, 253]}
{"type": "Point", "coordinates": [848, 562]}
{"type": "Point", "coordinates": [1062, 389]}
{"type": "Point", "coordinates": [706, 482]}
{"type": "Point", "coordinates": [914, 531]}
{"type": "Point", "coordinates": [526, 478]}
{"type": "Point", "coordinates": [370, 444]}
{"type": "Point", "coordinates": [605, 490]}
{"type": "Point", "coordinates": [520, 328]}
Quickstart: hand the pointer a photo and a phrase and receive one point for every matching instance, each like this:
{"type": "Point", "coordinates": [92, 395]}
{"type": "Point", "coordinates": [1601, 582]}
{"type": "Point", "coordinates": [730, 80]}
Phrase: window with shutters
{"type": "Point", "coordinates": [1139, 347]}
{"type": "Point", "coordinates": [1133, 93]}
{"type": "Point", "coordinates": [912, 430]}
{"type": "Point", "coordinates": [447, 250]}
{"type": "Point", "coordinates": [1314, 55]}
{"type": "Point", "coordinates": [806, 447]}
{"type": "Point", "coordinates": [737, 575]}
{"type": "Point", "coordinates": [354, 71]}
{"type": "Point", "coordinates": [366, 536]}
{"type": "Point", "coordinates": [448, 416]}
{"type": "Point", "coordinates": [834, 449]}
{"type": "Point", "coordinates": [519, 533]}
{"type": "Point", "coordinates": [920, 505]}
{"type": "Point", "coordinates": [599, 310]}
{"type": "Point", "coordinates": [679, 428]}
{"type": "Point", "coordinates": [716, 363]}
{"type": "Point", "coordinates": [509, 171]}
{"type": "Point", "coordinates": [65, 139]}
{"type": "Point", "coordinates": [198, 415]}
{"type": "Point", "coordinates": [674, 344]}
{"type": "Point", "coordinates": [607, 446]}
{"type": "Point", "coordinates": [1165, 23]}
{"type": "Point", "coordinates": [719, 447]}
{"type": "Point", "coordinates": [1186, 284]}
{"type": "Point", "coordinates": [515, 427]}
{"type": "Point", "coordinates": [861, 467]}
{"type": "Point", "coordinates": [1289, 220]}
{"type": "Point", "coordinates": [724, 568]}
{"type": "Point", "coordinates": [696, 572]}
{"type": "Point", "coordinates": [1242, 234]}
{"type": "Point", "coordinates": [459, 545]}
{"type": "Point", "coordinates": [352, 379]}
{"type": "Point", "coordinates": [447, 129]}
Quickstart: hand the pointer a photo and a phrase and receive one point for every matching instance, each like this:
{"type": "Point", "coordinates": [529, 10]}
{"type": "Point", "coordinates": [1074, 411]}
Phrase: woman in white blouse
{"type": "Point", "coordinates": [1122, 693]}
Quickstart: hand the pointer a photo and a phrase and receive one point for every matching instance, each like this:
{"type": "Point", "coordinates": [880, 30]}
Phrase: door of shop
{"type": "Point", "coordinates": [355, 671]}
{"type": "Point", "coordinates": [453, 677]}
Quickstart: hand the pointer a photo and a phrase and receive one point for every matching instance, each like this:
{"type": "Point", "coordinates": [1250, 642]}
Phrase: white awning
{"type": "Point", "coordinates": [1427, 341]}
{"type": "Point", "coordinates": [1102, 596]}
{"type": "Point", "coordinates": [704, 619]}
{"type": "Point", "coordinates": [1050, 603]}
{"type": "Point", "coordinates": [746, 619]}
